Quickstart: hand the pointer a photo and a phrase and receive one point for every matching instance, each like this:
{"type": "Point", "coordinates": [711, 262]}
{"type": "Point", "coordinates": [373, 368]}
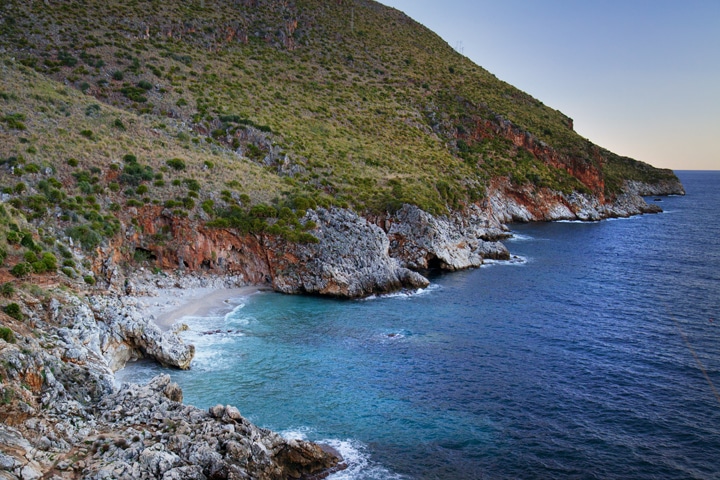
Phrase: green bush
{"type": "Point", "coordinates": [89, 279]}
{"type": "Point", "coordinates": [7, 289]}
{"type": "Point", "coordinates": [47, 263]}
{"type": "Point", "coordinates": [88, 238]}
{"type": "Point", "coordinates": [21, 269]}
{"type": "Point", "coordinates": [13, 238]}
{"type": "Point", "coordinates": [133, 174]}
{"type": "Point", "coordinates": [13, 310]}
{"type": "Point", "coordinates": [7, 335]}
{"type": "Point", "coordinates": [176, 164]}
{"type": "Point", "coordinates": [27, 241]}
{"type": "Point", "coordinates": [192, 184]}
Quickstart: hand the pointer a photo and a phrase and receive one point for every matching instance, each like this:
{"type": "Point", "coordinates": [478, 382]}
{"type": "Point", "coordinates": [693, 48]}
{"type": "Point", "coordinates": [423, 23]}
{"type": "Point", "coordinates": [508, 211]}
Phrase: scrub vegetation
{"type": "Point", "coordinates": [244, 114]}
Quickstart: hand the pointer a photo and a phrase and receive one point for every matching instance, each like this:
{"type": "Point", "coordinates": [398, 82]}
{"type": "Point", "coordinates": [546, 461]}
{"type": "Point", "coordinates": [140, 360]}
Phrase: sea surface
{"type": "Point", "coordinates": [597, 355]}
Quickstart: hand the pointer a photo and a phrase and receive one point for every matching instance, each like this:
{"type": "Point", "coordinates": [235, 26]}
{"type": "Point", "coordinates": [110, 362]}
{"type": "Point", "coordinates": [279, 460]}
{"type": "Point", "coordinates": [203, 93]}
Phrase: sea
{"type": "Point", "coordinates": [595, 354]}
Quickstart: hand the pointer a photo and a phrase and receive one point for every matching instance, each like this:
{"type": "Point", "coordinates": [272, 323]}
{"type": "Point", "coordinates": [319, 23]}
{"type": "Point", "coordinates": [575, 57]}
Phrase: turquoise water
{"type": "Point", "coordinates": [569, 364]}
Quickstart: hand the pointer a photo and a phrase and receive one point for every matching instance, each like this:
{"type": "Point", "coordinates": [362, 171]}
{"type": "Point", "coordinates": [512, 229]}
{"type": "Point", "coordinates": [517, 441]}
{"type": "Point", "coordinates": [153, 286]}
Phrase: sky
{"type": "Point", "coordinates": [639, 77]}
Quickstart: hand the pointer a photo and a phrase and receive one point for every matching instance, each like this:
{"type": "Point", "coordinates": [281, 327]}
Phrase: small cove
{"type": "Point", "coordinates": [569, 364]}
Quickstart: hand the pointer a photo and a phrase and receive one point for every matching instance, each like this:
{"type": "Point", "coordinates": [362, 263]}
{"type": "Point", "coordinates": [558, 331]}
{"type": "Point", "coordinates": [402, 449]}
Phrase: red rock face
{"type": "Point", "coordinates": [588, 173]}
{"type": "Point", "coordinates": [177, 242]}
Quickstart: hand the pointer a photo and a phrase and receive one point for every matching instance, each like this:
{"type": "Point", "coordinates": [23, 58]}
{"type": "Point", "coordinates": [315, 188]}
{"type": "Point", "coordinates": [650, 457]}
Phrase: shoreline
{"type": "Point", "coordinates": [173, 304]}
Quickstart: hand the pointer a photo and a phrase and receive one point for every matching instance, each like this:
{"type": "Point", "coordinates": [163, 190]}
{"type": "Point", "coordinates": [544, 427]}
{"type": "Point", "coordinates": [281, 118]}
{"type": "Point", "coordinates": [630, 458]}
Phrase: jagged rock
{"type": "Point", "coordinates": [421, 241]}
{"type": "Point", "coordinates": [126, 334]}
{"type": "Point", "coordinates": [173, 392]}
{"type": "Point", "coordinates": [192, 472]}
{"type": "Point", "coordinates": [350, 260]}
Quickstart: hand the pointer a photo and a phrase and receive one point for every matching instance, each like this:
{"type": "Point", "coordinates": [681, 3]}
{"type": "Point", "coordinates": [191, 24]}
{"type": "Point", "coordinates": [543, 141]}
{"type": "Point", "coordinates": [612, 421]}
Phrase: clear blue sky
{"type": "Point", "coordinates": [639, 77]}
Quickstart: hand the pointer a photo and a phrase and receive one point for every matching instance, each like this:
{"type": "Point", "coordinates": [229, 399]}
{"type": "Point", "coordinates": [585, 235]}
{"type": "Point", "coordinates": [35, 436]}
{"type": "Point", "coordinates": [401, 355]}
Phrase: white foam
{"type": "Point", "coordinates": [515, 260]}
{"type": "Point", "coordinates": [359, 465]}
{"type": "Point", "coordinates": [297, 433]}
{"type": "Point", "coordinates": [405, 294]}
{"type": "Point", "coordinates": [353, 452]}
{"type": "Point", "coordinates": [518, 237]}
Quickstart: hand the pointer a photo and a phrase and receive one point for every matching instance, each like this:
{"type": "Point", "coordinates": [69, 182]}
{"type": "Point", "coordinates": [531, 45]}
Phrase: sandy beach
{"type": "Point", "coordinates": [174, 304]}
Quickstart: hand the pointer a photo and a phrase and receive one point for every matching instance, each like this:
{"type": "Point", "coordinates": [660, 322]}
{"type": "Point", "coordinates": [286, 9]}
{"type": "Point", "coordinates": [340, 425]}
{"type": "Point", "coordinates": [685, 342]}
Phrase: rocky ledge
{"type": "Point", "coordinates": [62, 417]}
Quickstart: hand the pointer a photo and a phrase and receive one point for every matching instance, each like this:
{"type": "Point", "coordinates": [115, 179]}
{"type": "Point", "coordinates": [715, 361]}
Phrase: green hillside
{"type": "Point", "coordinates": [234, 112]}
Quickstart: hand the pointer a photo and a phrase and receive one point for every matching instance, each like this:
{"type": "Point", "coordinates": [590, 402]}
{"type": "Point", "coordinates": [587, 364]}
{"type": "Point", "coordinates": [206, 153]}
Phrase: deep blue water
{"type": "Point", "coordinates": [572, 364]}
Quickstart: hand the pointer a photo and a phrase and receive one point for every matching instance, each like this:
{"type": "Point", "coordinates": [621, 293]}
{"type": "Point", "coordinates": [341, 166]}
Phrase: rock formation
{"type": "Point", "coordinates": [62, 417]}
{"type": "Point", "coordinates": [351, 259]}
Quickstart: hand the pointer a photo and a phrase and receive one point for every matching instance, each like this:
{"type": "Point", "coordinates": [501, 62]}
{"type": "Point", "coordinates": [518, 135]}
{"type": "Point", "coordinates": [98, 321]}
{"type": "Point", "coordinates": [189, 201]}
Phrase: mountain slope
{"type": "Point", "coordinates": [244, 114]}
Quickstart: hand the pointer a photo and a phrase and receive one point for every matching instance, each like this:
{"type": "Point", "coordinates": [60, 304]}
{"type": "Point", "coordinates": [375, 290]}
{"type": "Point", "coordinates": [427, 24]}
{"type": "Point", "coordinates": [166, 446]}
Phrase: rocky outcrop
{"type": "Point", "coordinates": [463, 240]}
{"type": "Point", "coordinates": [510, 203]}
{"type": "Point", "coordinates": [351, 259]}
{"type": "Point", "coordinates": [112, 331]}
{"type": "Point", "coordinates": [182, 441]}
{"type": "Point", "coordinates": [662, 187]}
{"type": "Point", "coordinates": [62, 417]}
{"type": "Point", "coordinates": [144, 432]}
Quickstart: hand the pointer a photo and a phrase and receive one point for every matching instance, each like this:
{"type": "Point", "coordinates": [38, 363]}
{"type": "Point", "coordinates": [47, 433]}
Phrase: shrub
{"type": "Point", "coordinates": [13, 238]}
{"type": "Point", "coordinates": [30, 256]}
{"type": "Point", "coordinates": [192, 184]}
{"type": "Point", "coordinates": [49, 262]}
{"type": "Point", "coordinates": [7, 289]}
{"type": "Point", "coordinates": [133, 174]}
{"type": "Point", "coordinates": [134, 93]}
{"type": "Point", "coordinates": [66, 59]}
{"type": "Point", "coordinates": [13, 310]}
{"type": "Point", "coordinates": [145, 85]}
{"type": "Point", "coordinates": [88, 238]}
{"type": "Point", "coordinates": [7, 335]}
{"type": "Point", "coordinates": [89, 279]}
{"type": "Point", "coordinates": [28, 242]}
{"type": "Point", "coordinates": [21, 269]}
{"type": "Point", "coordinates": [176, 164]}
{"type": "Point", "coordinates": [118, 75]}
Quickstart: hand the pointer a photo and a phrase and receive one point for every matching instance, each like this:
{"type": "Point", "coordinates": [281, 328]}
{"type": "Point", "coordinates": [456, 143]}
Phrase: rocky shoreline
{"type": "Point", "coordinates": [63, 417]}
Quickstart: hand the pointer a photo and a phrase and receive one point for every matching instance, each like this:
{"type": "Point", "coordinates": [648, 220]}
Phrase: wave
{"type": "Point", "coordinates": [588, 222]}
{"type": "Point", "coordinates": [404, 294]}
{"type": "Point", "coordinates": [519, 237]}
{"type": "Point", "coordinates": [354, 454]}
{"type": "Point", "coordinates": [515, 260]}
